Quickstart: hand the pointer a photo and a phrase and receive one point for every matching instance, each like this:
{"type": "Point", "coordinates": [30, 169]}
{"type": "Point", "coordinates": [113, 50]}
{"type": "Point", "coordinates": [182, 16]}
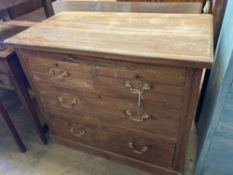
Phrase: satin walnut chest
{"type": "Point", "coordinates": [120, 85]}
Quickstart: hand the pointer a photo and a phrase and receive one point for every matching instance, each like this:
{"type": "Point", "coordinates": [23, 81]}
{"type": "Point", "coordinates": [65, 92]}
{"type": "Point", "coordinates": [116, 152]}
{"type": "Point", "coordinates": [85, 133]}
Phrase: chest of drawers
{"type": "Point", "coordinates": [120, 85]}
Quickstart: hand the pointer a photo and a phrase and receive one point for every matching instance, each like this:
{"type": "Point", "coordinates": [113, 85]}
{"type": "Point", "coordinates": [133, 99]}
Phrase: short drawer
{"type": "Point", "coordinates": [113, 79]}
{"type": "Point", "coordinates": [116, 140]}
{"type": "Point", "coordinates": [150, 117]}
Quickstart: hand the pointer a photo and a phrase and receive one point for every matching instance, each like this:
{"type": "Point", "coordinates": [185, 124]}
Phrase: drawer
{"type": "Point", "coordinates": [150, 117]}
{"type": "Point", "coordinates": [3, 67]}
{"type": "Point", "coordinates": [5, 81]}
{"type": "Point", "coordinates": [158, 101]}
{"type": "Point", "coordinates": [114, 80]}
{"type": "Point", "coordinates": [117, 140]}
{"type": "Point", "coordinates": [118, 88]}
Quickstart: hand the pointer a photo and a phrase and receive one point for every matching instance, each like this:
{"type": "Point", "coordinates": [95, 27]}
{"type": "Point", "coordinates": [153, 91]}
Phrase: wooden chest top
{"type": "Point", "coordinates": [169, 39]}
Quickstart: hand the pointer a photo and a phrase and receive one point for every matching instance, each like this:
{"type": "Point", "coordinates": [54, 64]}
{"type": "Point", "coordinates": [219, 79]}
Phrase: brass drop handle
{"type": "Point", "coordinates": [128, 84]}
{"type": "Point", "coordinates": [61, 76]}
{"type": "Point", "coordinates": [79, 134]}
{"type": "Point", "coordinates": [67, 106]}
{"type": "Point", "coordinates": [143, 149]}
{"type": "Point", "coordinates": [137, 118]}
{"type": "Point", "coordinates": [145, 87]}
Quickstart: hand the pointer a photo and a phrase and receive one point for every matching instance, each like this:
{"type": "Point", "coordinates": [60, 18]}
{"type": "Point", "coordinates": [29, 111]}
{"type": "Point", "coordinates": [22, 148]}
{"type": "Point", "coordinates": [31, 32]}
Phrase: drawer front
{"type": "Point", "coordinates": [3, 67]}
{"type": "Point", "coordinates": [112, 79]}
{"type": "Point", "coordinates": [117, 141]}
{"type": "Point", "coordinates": [149, 117]}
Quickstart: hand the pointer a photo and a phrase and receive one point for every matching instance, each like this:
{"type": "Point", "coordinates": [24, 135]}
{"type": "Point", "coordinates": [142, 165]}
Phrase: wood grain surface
{"type": "Point", "coordinates": [158, 38]}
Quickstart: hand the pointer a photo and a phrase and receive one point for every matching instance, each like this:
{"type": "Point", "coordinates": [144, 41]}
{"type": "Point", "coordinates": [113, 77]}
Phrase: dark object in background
{"type": "Point", "coordinates": [12, 77]}
{"type": "Point", "coordinates": [24, 8]}
{"type": "Point", "coordinates": [16, 8]}
{"type": "Point", "coordinates": [12, 128]}
{"type": "Point", "coordinates": [218, 11]}
{"type": "Point", "coordinates": [11, 73]}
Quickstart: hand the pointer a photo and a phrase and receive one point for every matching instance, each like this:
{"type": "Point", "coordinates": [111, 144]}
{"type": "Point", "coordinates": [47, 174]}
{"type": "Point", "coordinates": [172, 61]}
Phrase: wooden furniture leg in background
{"type": "Point", "coordinates": [218, 11]}
{"type": "Point", "coordinates": [13, 77]}
{"type": "Point", "coordinates": [48, 8]}
{"type": "Point", "coordinates": [12, 128]}
{"type": "Point", "coordinates": [28, 104]}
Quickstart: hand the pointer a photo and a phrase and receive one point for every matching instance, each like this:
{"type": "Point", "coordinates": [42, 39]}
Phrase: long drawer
{"type": "Point", "coordinates": [124, 112]}
{"type": "Point", "coordinates": [117, 140]}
